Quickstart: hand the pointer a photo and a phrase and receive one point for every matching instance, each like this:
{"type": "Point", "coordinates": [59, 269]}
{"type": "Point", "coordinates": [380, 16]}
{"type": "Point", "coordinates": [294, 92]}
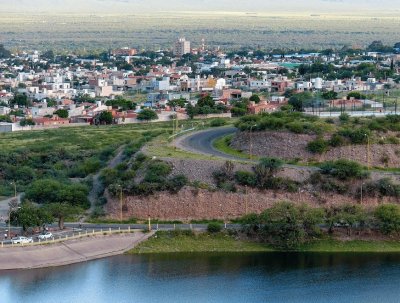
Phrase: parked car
{"type": "Point", "coordinates": [46, 236]}
{"type": "Point", "coordinates": [21, 240]}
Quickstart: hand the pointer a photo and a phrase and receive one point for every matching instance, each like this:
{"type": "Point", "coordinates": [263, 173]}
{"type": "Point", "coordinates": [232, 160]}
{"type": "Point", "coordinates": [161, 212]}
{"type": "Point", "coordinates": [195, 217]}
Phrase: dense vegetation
{"type": "Point", "coordinates": [288, 226]}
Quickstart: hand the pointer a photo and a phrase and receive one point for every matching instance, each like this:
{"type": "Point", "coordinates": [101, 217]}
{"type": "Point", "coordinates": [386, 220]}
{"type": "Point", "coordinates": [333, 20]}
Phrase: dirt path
{"type": "Point", "coordinates": [96, 187]}
{"type": "Point", "coordinates": [69, 252]}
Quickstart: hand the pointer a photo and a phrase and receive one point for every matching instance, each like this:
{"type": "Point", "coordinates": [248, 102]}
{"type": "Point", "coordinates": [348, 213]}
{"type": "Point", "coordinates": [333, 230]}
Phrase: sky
{"type": "Point", "coordinates": [268, 6]}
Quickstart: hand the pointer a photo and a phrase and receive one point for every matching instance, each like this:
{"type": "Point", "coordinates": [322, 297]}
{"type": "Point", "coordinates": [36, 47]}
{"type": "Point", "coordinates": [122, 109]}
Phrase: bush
{"type": "Point", "coordinates": [175, 184]}
{"type": "Point", "coordinates": [245, 178]}
{"type": "Point", "coordinates": [344, 118]}
{"type": "Point", "coordinates": [217, 122]}
{"type": "Point", "coordinates": [214, 227]}
{"type": "Point", "coordinates": [318, 146]}
{"type": "Point", "coordinates": [337, 140]}
{"type": "Point", "coordinates": [343, 169]}
{"type": "Point", "coordinates": [388, 217]}
{"type": "Point", "coordinates": [356, 136]}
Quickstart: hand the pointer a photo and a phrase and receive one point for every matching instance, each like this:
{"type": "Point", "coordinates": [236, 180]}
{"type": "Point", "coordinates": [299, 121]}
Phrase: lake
{"type": "Point", "coordinates": [267, 277]}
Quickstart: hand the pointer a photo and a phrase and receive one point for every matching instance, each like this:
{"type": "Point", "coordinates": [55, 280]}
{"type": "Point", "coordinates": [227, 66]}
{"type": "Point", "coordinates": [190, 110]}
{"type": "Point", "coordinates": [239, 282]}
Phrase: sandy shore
{"type": "Point", "coordinates": [69, 252]}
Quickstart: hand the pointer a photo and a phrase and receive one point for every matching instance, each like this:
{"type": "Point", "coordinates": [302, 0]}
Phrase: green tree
{"type": "Point", "coordinates": [388, 217]}
{"type": "Point", "coordinates": [177, 103]}
{"type": "Point", "coordinates": [301, 100]}
{"type": "Point", "coordinates": [60, 211]}
{"type": "Point", "coordinates": [21, 100]}
{"type": "Point", "coordinates": [105, 118]}
{"type": "Point", "coordinates": [44, 191]}
{"type": "Point", "coordinates": [51, 102]}
{"type": "Point", "coordinates": [330, 95]}
{"type": "Point", "coordinates": [26, 122]}
{"type": "Point", "coordinates": [255, 98]}
{"type": "Point", "coordinates": [346, 215]}
{"type": "Point", "coordinates": [356, 95]}
{"type": "Point", "coordinates": [147, 115]}
{"type": "Point", "coordinates": [62, 113]}
{"type": "Point", "coordinates": [206, 101]}
{"type": "Point", "coordinates": [29, 215]}
{"type": "Point", "coordinates": [283, 225]}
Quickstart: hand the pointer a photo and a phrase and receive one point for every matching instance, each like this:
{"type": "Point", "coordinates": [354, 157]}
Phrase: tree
{"type": "Point", "coordinates": [51, 102]}
{"type": "Point", "coordinates": [29, 215]}
{"type": "Point", "coordinates": [105, 118]}
{"type": "Point", "coordinates": [356, 95]}
{"type": "Point", "coordinates": [388, 217]}
{"type": "Point", "coordinates": [347, 215]}
{"type": "Point", "coordinates": [147, 115]}
{"type": "Point", "coordinates": [301, 100]}
{"type": "Point", "coordinates": [283, 225]}
{"type": "Point", "coordinates": [255, 98]}
{"type": "Point", "coordinates": [44, 191]}
{"type": "Point", "coordinates": [62, 210]}
{"type": "Point", "coordinates": [330, 95]}
{"type": "Point", "coordinates": [122, 103]}
{"type": "Point", "coordinates": [26, 122]}
{"type": "Point", "coordinates": [21, 100]}
{"type": "Point", "coordinates": [206, 101]}
{"type": "Point", "coordinates": [62, 113]}
{"type": "Point", "coordinates": [177, 102]}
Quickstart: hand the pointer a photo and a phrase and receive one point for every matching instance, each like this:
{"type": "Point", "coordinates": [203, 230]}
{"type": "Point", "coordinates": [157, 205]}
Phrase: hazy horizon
{"type": "Point", "coordinates": [262, 6]}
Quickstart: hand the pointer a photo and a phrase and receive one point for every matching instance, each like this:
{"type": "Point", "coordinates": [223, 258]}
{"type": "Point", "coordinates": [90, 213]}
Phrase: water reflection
{"type": "Point", "coordinates": [271, 277]}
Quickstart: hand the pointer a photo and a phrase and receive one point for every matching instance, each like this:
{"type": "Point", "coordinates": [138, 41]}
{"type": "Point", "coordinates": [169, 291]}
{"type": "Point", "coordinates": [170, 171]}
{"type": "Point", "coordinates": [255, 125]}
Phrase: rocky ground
{"type": "Point", "coordinates": [289, 146]}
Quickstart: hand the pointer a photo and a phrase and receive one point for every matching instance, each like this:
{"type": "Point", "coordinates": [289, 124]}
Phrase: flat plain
{"type": "Point", "coordinates": [228, 30]}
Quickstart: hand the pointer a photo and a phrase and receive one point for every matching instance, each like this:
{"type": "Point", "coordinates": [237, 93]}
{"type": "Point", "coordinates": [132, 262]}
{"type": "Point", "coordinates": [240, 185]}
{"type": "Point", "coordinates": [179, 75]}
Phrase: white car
{"type": "Point", "coordinates": [46, 236]}
{"type": "Point", "coordinates": [21, 240]}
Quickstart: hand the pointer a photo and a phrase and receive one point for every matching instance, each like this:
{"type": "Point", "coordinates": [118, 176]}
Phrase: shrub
{"type": "Point", "coordinates": [318, 146]}
{"type": "Point", "coordinates": [176, 183]}
{"type": "Point", "coordinates": [357, 136]}
{"type": "Point", "coordinates": [343, 169]}
{"type": "Point", "coordinates": [296, 127]}
{"type": "Point", "coordinates": [337, 140]}
{"type": "Point", "coordinates": [214, 227]}
{"type": "Point", "coordinates": [217, 122]}
{"type": "Point", "coordinates": [344, 118]}
{"type": "Point", "coordinates": [388, 217]}
{"type": "Point", "coordinates": [246, 178]}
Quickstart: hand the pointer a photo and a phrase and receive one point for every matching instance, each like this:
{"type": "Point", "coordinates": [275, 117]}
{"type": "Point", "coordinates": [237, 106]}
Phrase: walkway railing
{"type": "Point", "coordinates": [71, 236]}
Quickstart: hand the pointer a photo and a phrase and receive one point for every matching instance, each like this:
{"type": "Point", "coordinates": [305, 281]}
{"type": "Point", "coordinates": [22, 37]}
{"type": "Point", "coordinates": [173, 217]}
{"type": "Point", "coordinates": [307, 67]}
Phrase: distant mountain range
{"type": "Point", "coordinates": [131, 6]}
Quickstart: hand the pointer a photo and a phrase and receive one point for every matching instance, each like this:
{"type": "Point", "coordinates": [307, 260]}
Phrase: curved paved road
{"type": "Point", "coordinates": [202, 142]}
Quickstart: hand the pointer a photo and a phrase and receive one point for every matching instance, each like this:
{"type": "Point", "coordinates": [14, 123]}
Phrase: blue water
{"type": "Point", "coordinates": [271, 277]}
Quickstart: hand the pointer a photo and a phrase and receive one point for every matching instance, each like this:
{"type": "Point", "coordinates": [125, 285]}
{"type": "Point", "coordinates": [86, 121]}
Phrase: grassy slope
{"type": "Point", "coordinates": [164, 242]}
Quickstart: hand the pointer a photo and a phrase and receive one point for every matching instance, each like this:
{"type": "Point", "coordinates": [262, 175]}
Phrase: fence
{"type": "Point", "coordinates": [73, 236]}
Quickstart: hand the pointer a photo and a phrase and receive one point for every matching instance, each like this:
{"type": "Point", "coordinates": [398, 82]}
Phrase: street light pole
{"type": "Point", "coordinates": [11, 209]}
{"type": "Point", "coordinates": [120, 202]}
{"type": "Point", "coordinates": [251, 141]}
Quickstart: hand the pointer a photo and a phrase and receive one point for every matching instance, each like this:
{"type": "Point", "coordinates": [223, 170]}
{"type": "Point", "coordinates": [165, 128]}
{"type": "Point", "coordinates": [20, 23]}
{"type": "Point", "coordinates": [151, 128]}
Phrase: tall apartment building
{"type": "Point", "coordinates": [182, 47]}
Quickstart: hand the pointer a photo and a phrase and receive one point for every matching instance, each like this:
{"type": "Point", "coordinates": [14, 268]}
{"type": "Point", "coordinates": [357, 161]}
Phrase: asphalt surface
{"type": "Point", "coordinates": [202, 142]}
